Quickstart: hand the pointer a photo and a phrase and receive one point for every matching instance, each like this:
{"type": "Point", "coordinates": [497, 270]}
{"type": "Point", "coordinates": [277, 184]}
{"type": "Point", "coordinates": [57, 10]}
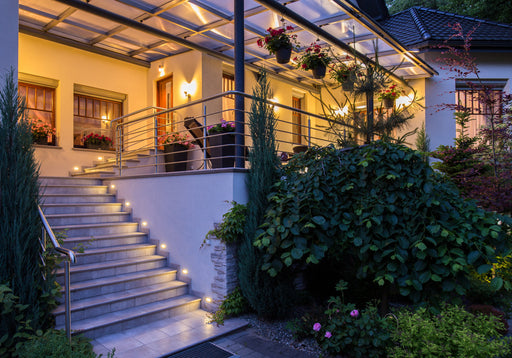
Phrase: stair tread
{"type": "Point", "coordinates": [130, 313]}
{"type": "Point", "coordinates": [101, 237]}
{"type": "Point", "coordinates": [121, 295]}
{"type": "Point", "coordinates": [61, 227]}
{"type": "Point", "coordinates": [94, 251]}
{"type": "Point", "coordinates": [78, 194]}
{"type": "Point", "coordinates": [119, 278]}
{"type": "Point", "coordinates": [52, 205]}
{"type": "Point", "coordinates": [113, 263]}
{"type": "Point", "coordinates": [118, 213]}
{"type": "Point", "coordinates": [73, 186]}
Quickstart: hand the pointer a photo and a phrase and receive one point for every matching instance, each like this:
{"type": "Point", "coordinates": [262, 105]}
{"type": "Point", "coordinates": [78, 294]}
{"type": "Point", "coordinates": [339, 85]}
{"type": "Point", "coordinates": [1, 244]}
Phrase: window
{"type": "Point", "coordinates": [228, 102]}
{"type": "Point", "coordinates": [472, 98]}
{"type": "Point", "coordinates": [298, 131]}
{"type": "Point", "coordinates": [93, 115]}
{"type": "Point", "coordinates": [40, 103]}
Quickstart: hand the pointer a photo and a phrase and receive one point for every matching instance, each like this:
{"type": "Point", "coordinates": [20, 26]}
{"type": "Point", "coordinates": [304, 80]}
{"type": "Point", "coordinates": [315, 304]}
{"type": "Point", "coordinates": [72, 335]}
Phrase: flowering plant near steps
{"type": "Point", "coordinates": [392, 92]}
{"type": "Point", "coordinates": [278, 38]}
{"type": "Point", "coordinates": [94, 138]}
{"type": "Point", "coordinates": [41, 129]}
{"type": "Point", "coordinates": [176, 138]}
{"type": "Point", "coordinates": [314, 56]}
{"type": "Point", "coordinates": [346, 329]}
{"type": "Point", "coordinates": [222, 127]}
{"type": "Point", "coordinates": [342, 72]}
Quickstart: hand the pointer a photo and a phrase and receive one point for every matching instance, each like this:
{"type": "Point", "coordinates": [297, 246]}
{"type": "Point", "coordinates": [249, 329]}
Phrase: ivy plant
{"type": "Point", "coordinates": [382, 207]}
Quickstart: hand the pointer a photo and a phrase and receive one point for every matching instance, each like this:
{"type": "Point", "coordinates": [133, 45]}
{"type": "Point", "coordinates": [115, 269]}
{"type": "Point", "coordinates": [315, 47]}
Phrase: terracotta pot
{"type": "Point", "coordinates": [222, 150]}
{"type": "Point", "coordinates": [176, 156]}
{"type": "Point", "coordinates": [283, 54]}
{"type": "Point", "coordinates": [319, 72]}
{"type": "Point", "coordinates": [388, 102]}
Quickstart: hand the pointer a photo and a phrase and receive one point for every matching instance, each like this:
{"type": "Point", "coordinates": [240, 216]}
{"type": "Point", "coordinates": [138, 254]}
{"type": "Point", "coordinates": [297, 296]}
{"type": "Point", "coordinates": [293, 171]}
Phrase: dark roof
{"type": "Point", "coordinates": [419, 27]}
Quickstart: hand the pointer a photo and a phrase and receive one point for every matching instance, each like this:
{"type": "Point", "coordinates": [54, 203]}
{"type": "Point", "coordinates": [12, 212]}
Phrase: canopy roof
{"type": "Point", "coordinates": [143, 31]}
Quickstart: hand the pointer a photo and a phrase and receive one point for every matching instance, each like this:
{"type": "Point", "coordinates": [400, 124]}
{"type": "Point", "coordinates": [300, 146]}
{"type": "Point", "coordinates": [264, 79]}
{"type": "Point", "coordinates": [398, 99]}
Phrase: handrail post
{"type": "Point", "coordinates": [119, 156]}
{"type": "Point", "coordinates": [309, 131]}
{"type": "Point", "coordinates": [205, 132]}
{"type": "Point", "coordinates": [68, 299]}
{"type": "Point", "coordinates": [155, 142]}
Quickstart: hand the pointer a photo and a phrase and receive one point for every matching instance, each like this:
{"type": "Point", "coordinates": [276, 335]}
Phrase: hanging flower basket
{"type": "Point", "coordinates": [283, 54]}
{"type": "Point", "coordinates": [319, 71]}
{"type": "Point", "coordinates": [388, 102]}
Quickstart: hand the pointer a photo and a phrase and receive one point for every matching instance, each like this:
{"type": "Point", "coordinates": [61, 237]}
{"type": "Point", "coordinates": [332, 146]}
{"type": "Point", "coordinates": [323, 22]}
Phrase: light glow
{"type": "Point", "coordinates": [161, 71]}
{"type": "Point", "coordinates": [76, 169]}
{"type": "Point", "coordinates": [184, 271]}
{"type": "Point", "coordinates": [163, 246]}
{"type": "Point", "coordinates": [208, 299]}
{"type": "Point", "coordinates": [189, 88]}
{"type": "Point", "coordinates": [113, 186]}
{"type": "Point", "coordinates": [404, 101]}
{"type": "Point", "coordinates": [128, 203]}
{"type": "Point", "coordinates": [144, 223]}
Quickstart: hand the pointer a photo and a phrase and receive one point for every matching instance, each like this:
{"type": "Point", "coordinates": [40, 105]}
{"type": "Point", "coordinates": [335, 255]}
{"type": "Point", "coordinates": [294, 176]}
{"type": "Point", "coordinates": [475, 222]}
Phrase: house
{"type": "Point", "coordinates": [85, 67]}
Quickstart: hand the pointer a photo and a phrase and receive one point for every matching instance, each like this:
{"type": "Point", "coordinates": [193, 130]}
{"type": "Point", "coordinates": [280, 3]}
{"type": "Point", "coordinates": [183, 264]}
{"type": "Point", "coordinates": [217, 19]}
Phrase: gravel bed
{"type": "Point", "coordinates": [276, 331]}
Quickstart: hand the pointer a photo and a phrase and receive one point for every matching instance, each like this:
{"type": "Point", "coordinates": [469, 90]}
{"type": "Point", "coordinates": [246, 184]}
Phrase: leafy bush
{"type": "Point", "coordinates": [232, 227]}
{"type": "Point", "coordinates": [13, 312]}
{"type": "Point", "coordinates": [381, 207]}
{"type": "Point", "coordinates": [234, 305]}
{"type": "Point", "coordinates": [362, 333]}
{"type": "Point", "coordinates": [54, 344]}
{"type": "Point", "coordinates": [453, 333]}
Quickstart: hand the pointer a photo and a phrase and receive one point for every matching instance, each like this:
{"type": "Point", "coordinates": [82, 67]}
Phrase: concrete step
{"type": "Point", "coordinates": [94, 271]}
{"type": "Point", "coordinates": [79, 199]}
{"type": "Point", "coordinates": [105, 304]}
{"type": "Point", "coordinates": [110, 163]}
{"type": "Point", "coordinates": [74, 208]}
{"type": "Point", "coordinates": [105, 240]}
{"type": "Point", "coordinates": [93, 230]}
{"type": "Point", "coordinates": [68, 180]}
{"type": "Point", "coordinates": [87, 218]}
{"type": "Point", "coordinates": [113, 253]}
{"type": "Point", "coordinates": [118, 283]}
{"type": "Point", "coordinates": [74, 189]}
{"type": "Point", "coordinates": [101, 173]}
{"type": "Point", "coordinates": [132, 317]}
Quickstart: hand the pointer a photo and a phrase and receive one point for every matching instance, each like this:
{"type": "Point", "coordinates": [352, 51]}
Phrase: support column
{"type": "Point", "coordinates": [239, 83]}
{"type": "Point", "coordinates": [9, 25]}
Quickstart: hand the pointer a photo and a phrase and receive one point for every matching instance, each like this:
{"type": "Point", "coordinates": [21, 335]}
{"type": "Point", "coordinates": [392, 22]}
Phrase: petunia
{"type": "Point", "coordinates": [354, 313]}
{"type": "Point", "coordinates": [317, 326]}
{"type": "Point", "coordinates": [328, 334]}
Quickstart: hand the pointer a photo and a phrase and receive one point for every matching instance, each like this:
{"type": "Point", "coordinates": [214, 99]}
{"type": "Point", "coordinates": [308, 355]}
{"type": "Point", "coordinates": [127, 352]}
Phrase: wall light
{"type": "Point", "coordinates": [404, 100]}
{"type": "Point", "coordinates": [163, 246]}
{"type": "Point", "coordinates": [189, 88]}
{"type": "Point", "coordinates": [184, 271]}
{"type": "Point", "coordinates": [341, 112]}
{"type": "Point", "coordinates": [144, 223]}
{"type": "Point", "coordinates": [161, 71]}
{"type": "Point", "coordinates": [76, 169]}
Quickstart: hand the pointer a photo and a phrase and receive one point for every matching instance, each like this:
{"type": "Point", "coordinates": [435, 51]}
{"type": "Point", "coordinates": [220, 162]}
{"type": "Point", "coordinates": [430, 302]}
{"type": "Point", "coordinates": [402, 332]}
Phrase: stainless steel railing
{"type": "Point", "coordinates": [70, 258]}
{"type": "Point", "coordinates": [140, 131]}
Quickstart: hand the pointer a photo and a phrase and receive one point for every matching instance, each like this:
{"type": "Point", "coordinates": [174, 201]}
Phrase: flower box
{"type": "Point", "coordinates": [176, 156]}
{"type": "Point", "coordinates": [222, 150]}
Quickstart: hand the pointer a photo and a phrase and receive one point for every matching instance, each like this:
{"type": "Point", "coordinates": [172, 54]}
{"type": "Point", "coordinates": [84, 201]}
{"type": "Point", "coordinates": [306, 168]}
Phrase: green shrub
{"type": "Point", "coordinates": [453, 333]}
{"type": "Point", "coordinates": [233, 305]}
{"type": "Point", "coordinates": [11, 311]}
{"type": "Point", "coordinates": [232, 227]}
{"type": "Point", "coordinates": [381, 208]}
{"type": "Point", "coordinates": [55, 344]}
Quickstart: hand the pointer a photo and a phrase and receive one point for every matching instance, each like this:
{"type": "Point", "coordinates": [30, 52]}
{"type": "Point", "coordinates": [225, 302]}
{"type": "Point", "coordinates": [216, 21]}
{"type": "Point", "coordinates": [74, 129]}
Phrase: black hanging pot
{"type": "Point", "coordinates": [389, 102]}
{"type": "Point", "coordinates": [283, 54]}
{"type": "Point", "coordinates": [319, 71]}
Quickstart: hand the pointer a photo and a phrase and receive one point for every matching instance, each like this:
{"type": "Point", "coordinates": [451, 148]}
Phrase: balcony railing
{"type": "Point", "coordinates": [140, 134]}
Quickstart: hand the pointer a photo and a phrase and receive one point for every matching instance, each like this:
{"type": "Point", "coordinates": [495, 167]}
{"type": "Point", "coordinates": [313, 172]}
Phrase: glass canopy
{"type": "Point", "coordinates": [143, 31]}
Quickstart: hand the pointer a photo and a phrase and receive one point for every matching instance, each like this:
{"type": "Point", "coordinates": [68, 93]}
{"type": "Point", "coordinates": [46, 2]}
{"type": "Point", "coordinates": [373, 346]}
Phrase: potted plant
{"type": "Point", "coordinates": [41, 132]}
{"type": "Point", "coordinates": [315, 58]}
{"type": "Point", "coordinates": [389, 95]}
{"type": "Point", "coordinates": [176, 148]}
{"type": "Point", "coordinates": [280, 43]}
{"type": "Point", "coordinates": [346, 75]}
{"type": "Point", "coordinates": [221, 140]}
{"type": "Point", "coordinates": [97, 141]}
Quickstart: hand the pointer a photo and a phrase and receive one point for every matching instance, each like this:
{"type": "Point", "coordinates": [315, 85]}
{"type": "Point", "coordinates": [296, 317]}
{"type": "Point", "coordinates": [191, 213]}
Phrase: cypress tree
{"type": "Point", "coordinates": [269, 296]}
{"type": "Point", "coordinates": [20, 227]}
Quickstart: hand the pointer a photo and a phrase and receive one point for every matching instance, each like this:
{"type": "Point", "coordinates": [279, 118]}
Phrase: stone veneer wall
{"type": "Point", "coordinates": [225, 262]}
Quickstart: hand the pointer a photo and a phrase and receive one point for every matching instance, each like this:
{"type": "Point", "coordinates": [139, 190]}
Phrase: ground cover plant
{"type": "Point", "coordinates": [411, 233]}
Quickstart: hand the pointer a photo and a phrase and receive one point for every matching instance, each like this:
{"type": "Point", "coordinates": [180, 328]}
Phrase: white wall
{"type": "Point", "coordinates": [70, 66]}
{"type": "Point", "coordinates": [9, 36]}
{"type": "Point", "coordinates": [180, 210]}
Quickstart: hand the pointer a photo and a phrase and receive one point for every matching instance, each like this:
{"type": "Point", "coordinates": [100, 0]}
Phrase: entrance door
{"type": "Point", "coordinates": [164, 100]}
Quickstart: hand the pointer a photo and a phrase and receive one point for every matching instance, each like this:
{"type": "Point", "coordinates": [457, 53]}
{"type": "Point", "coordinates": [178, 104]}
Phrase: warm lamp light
{"type": "Point", "coordinates": [404, 100]}
{"type": "Point", "coordinates": [163, 246]}
{"type": "Point", "coordinates": [161, 71]}
{"type": "Point", "coordinates": [189, 88]}
{"type": "Point", "coordinates": [184, 271]}
{"type": "Point", "coordinates": [208, 299]}
{"type": "Point", "coordinates": [76, 169]}
{"type": "Point", "coordinates": [144, 223]}
{"type": "Point", "coordinates": [127, 203]}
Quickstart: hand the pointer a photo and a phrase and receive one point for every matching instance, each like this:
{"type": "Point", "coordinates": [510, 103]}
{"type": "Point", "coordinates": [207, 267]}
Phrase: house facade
{"type": "Point", "coordinates": [81, 65]}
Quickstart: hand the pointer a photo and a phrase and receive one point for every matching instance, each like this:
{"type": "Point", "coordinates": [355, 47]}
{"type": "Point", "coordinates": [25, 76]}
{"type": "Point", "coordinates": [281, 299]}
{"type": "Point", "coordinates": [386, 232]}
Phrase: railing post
{"type": "Point", "coordinates": [309, 131]}
{"type": "Point", "coordinates": [119, 156]}
{"type": "Point", "coordinates": [239, 83]}
{"type": "Point", "coordinates": [68, 300]}
{"type": "Point", "coordinates": [205, 132]}
{"type": "Point", "coordinates": [155, 123]}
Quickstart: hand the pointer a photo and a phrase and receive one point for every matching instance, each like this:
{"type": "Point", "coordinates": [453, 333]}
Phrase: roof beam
{"type": "Point", "coordinates": [66, 13]}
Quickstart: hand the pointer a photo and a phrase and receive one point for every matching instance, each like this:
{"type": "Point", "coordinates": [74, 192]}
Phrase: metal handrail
{"type": "Point", "coordinates": [71, 258]}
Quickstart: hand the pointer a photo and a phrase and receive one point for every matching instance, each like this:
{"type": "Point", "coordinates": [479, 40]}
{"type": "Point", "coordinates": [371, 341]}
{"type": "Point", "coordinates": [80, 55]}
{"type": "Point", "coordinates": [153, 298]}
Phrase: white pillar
{"type": "Point", "coordinates": [9, 24]}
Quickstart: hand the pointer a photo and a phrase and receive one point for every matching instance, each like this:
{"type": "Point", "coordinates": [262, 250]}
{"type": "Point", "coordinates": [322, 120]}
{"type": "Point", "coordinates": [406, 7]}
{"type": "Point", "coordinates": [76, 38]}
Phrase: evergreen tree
{"type": "Point", "coordinates": [270, 297]}
{"type": "Point", "coordinates": [20, 226]}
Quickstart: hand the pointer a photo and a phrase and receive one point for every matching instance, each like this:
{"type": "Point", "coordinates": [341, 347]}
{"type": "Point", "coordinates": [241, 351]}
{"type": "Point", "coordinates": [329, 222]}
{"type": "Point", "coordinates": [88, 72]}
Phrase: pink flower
{"type": "Point", "coordinates": [328, 334]}
{"type": "Point", "coordinates": [354, 313]}
{"type": "Point", "coordinates": [317, 326]}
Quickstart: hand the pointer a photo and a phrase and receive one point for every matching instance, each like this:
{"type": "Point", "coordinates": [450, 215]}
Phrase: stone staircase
{"type": "Point", "coordinates": [119, 281]}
